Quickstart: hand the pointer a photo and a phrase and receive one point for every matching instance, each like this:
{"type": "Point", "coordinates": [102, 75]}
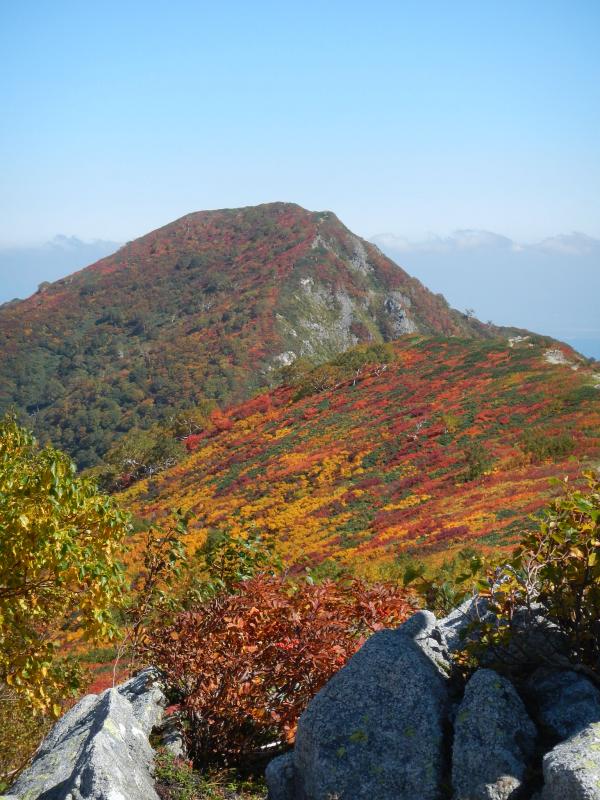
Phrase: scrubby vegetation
{"type": "Point", "coordinates": [418, 449]}
{"type": "Point", "coordinates": [60, 551]}
{"type": "Point", "coordinates": [554, 571]}
{"type": "Point", "coordinates": [371, 480]}
{"type": "Point", "coordinates": [177, 779]}
{"type": "Point", "coordinates": [307, 378]}
{"type": "Point", "coordinates": [245, 663]}
{"type": "Point", "coordinates": [60, 546]}
{"type": "Point", "coordinates": [244, 643]}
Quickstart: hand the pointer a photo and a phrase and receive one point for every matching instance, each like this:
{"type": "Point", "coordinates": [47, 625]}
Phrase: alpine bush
{"type": "Point", "coordinates": [555, 571]}
{"type": "Point", "coordinates": [245, 664]}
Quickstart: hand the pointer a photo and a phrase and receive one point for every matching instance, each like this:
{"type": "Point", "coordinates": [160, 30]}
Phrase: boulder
{"type": "Point", "coordinates": [572, 768]}
{"type": "Point", "coordinates": [170, 736]}
{"type": "Point", "coordinates": [97, 751]}
{"type": "Point", "coordinates": [535, 640]}
{"type": "Point", "coordinates": [565, 702]}
{"type": "Point", "coordinates": [280, 777]}
{"type": "Point", "coordinates": [376, 729]}
{"type": "Point", "coordinates": [423, 628]}
{"type": "Point", "coordinates": [494, 739]}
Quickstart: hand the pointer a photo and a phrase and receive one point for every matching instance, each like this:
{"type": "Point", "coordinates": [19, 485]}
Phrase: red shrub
{"type": "Point", "coordinates": [220, 420]}
{"type": "Point", "coordinates": [192, 442]}
{"type": "Point", "coordinates": [246, 664]}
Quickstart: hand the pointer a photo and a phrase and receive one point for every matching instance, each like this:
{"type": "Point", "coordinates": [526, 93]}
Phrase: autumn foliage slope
{"type": "Point", "coordinates": [443, 444]}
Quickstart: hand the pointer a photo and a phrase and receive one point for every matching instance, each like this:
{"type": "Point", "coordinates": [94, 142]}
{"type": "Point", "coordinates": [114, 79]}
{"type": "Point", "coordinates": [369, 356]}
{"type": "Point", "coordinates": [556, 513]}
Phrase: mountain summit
{"type": "Point", "coordinates": [208, 306]}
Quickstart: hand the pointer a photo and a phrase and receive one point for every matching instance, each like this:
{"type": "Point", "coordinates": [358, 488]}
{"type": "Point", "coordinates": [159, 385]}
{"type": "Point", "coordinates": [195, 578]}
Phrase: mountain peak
{"type": "Point", "coordinates": [206, 307]}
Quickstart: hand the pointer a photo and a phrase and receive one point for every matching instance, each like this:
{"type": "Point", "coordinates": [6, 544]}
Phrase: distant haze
{"type": "Point", "coordinates": [551, 287]}
{"type": "Point", "coordinates": [398, 116]}
{"type": "Point", "coordinates": [22, 269]}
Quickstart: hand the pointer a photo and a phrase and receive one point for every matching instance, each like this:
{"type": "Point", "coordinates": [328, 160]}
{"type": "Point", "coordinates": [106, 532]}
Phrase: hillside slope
{"type": "Point", "coordinates": [206, 307]}
{"type": "Point", "coordinates": [439, 444]}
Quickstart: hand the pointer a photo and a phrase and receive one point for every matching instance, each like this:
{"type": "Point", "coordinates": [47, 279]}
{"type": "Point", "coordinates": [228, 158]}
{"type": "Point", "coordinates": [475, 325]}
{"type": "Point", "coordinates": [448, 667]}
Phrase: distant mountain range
{"type": "Point", "coordinates": [208, 307]}
{"type": "Point", "coordinates": [23, 268]}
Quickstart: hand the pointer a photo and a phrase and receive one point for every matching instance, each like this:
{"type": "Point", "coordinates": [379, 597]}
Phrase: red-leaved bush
{"type": "Point", "coordinates": [246, 664]}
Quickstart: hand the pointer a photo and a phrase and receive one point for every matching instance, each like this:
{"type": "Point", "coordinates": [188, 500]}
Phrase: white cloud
{"type": "Point", "coordinates": [550, 287]}
{"type": "Point", "coordinates": [469, 239]}
{"type": "Point", "coordinates": [571, 244]}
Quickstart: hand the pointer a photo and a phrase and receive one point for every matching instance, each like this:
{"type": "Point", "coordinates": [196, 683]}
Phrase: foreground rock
{"type": "Point", "coordinates": [280, 776]}
{"type": "Point", "coordinates": [454, 630]}
{"type": "Point", "coordinates": [572, 768]}
{"type": "Point", "coordinates": [170, 736]}
{"type": "Point", "coordinates": [494, 740]}
{"type": "Point", "coordinates": [381, 728]}
{"type": "Point", "coordinates": [565, 702]}
{"type": "Point", "coordinates": [376, 730]}
{"type": "Point", "coordinates": [535, 640]}
{"type": "Point", "coordinates": [145, 693]}
{"type": "Point", "coordinates": [99, 750]}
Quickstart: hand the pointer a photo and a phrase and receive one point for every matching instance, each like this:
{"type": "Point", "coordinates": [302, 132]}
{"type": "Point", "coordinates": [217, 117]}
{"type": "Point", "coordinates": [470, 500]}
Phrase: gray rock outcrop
{"type": "Point", "coordinates": [494, 740]}
{"type": "Point", "coordinates": [565, 702]}
{"type": "Point", "coordinates": [395, 723]}
{"type": "Point", "coordinates": [381, 727]}
{"type": "Point", "coordinates": [99, 750]}
{"type": "Point", "coordinates": [145, 693]}
{"type": "Point", "coordinates": [375, 730]}
{"type": "Point", "coordinates": [280, 776]}
{"type": "Point", "coordinates": [170, 736]}
{"type": "Point", "coordinates": [535, 640]}
{"type": "Point", "coordinates": [572, 768]}
{"type": "Point", "coordinates": [454, 629]}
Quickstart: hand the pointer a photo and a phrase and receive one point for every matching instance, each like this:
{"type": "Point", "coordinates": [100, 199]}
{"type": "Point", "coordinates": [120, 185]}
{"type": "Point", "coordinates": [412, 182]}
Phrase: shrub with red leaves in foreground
{"type": "Point", "coordinates": [246, 664]}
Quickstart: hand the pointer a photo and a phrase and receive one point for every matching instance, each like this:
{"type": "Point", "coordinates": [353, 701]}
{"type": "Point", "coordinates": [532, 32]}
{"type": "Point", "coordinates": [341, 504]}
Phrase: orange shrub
{"type": "Point", "coordinates": [246, 664]}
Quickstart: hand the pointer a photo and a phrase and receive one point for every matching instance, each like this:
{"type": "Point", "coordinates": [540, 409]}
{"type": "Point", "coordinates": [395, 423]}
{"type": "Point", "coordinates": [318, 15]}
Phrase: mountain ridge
{"type": "Point", "coordinates": [208, 306]}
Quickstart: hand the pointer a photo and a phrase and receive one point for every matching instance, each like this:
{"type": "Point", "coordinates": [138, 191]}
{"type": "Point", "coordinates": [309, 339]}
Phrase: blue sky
{"type": "Point", "coordinates": [411, 118]}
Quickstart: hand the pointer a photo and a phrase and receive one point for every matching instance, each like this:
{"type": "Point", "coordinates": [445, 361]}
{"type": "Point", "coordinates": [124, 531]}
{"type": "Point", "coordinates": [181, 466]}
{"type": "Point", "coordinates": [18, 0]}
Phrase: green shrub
{"type": "Point", "coordinates": [21, 731]}
{"type": "Point", "coordinates": [477, 461]}
{"type": "Point", "coordinates": [447, 586]}
{"type": "Point", "coordinates": [557, 566]}
{"type": "Point", "coordinates": [176, 779]}
{"type": "Point", "coordinates": [60, 540]}
{"type": "Point", "coordinates": [227, 558]}
{"type": "Point", "coordinates": [541, 445]}
{"type": "Point", "coordinates": [352, 365]}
